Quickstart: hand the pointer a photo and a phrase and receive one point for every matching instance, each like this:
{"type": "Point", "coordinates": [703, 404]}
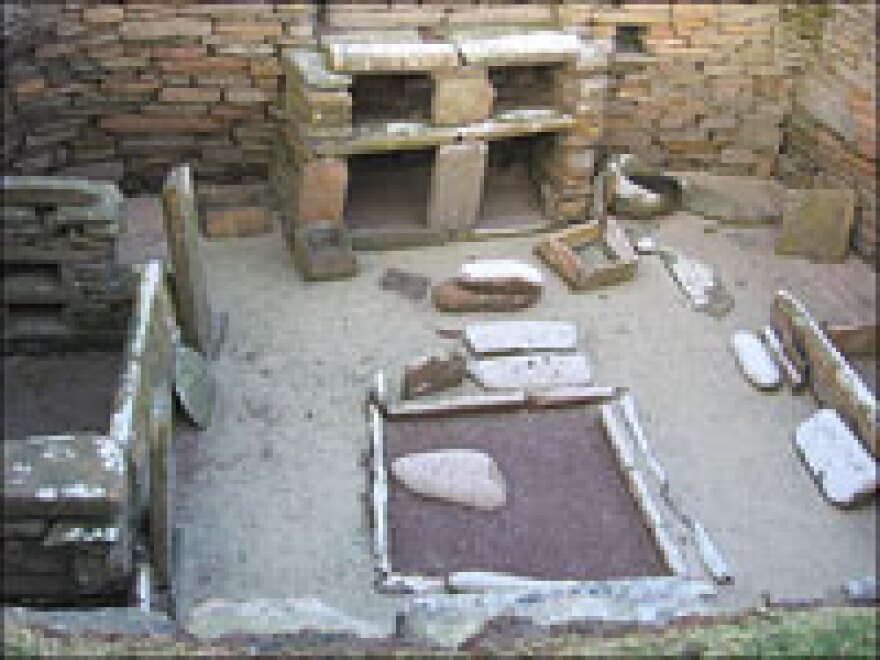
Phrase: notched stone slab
{"type": "Point", "coordinates": [844, 470]}
{"type": "Point", "coordinates": [511, 336]}
{"type": "Point", "coordinates": [516, 372]}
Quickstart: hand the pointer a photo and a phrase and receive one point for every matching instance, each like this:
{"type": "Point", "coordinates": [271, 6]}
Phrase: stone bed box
{"type": "Point", "coordinates": [78, 499]}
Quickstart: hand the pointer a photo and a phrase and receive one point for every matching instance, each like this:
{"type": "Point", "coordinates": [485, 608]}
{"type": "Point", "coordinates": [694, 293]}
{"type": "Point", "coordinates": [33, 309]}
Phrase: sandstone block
{"type": "Point", "coordinates": [103, 15]}
{"type": "Point", "coordinates": [463, 96]}
{"type": "Point", "coordinates": [320, 191]}
{"type": "Point", "coordinates": [450, 296]}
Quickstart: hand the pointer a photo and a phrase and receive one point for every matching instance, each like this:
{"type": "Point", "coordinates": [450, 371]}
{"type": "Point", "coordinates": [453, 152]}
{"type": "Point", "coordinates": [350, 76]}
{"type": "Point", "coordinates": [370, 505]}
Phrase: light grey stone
{"type": "Point", "coordinates": [845, 471]}
{"type": "Point", "coordinates": [216, 618]}
{"type": "Point", "coordinates": [511, 336]}
{"type": "Point", "coordinates": [464, 476]}
{"type": "Point", "coordinates": [515, 372]}
{"type": "Point", "coordinates": [755, 362]}
{"type": "Point", "coordinates": [194, 386]}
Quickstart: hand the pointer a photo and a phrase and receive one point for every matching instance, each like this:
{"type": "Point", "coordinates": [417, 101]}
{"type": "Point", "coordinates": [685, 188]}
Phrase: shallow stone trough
{"type": "Point", "coordinates": [465, 565]}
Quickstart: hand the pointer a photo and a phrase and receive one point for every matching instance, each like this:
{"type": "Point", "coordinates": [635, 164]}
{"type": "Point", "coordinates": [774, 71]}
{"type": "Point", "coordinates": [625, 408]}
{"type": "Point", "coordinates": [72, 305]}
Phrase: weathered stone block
{"type": "Point", "coordinates": [234, 222]}
{"type": "Point", "coordinates": [323, 252]}
{"type": "Point", "coordinates": [457, 186]}
{"type": "Point", "coordinates": [461, 96]}
{"type": "Point", "coordinates": [320, 191]}
{"type": "Point", "coordinates": [817, 224]}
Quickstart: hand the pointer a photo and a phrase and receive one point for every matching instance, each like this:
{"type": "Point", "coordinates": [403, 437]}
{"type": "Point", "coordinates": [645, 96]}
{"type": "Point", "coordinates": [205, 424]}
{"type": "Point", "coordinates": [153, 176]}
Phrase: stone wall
{"type": "Point", "coordinates": [830, 136]}
{"type": "Point", "coordinates": [125, 91]}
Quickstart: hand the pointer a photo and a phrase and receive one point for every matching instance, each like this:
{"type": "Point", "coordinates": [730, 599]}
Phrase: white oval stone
{"type": "Point", "coordinates": [754, 360]}
{"type": "Point", "coordinates": [463, 476]}
{"type": "Point", "coordinates": [838, 461]}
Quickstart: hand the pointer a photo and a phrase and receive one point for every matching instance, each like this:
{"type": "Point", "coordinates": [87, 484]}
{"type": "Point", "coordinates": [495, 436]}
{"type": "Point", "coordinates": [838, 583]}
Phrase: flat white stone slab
{"type": "Point", "coordinates": [463, 476]}
{"type": "Point", "coordinates": [695, 278]}
{"type": "Point", "coordinates": [756, 363]}
{"type": "Point", "coordinates": [844, 469]}
{"type": "Point", "coordinates": [511, 336]}
{"type": "Point", "coordinates": [494, 271]}
{"type": "Point", "coordinates": [516, 372]}
{"type": "Point", "coordinates": [523, 48]}
{"type": "Point", "coordinates": [368, 57]}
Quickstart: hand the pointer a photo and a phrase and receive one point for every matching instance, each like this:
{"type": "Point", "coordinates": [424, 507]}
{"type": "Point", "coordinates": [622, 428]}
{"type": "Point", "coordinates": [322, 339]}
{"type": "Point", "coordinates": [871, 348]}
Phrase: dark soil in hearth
{"type": "Point", "coordinates": [59, 393]}
{"type": "Point", "coordinates": [568, 515]}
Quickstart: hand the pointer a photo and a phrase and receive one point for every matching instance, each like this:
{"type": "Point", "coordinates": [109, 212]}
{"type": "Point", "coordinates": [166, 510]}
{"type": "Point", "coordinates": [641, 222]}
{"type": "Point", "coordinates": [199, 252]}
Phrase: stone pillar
{"type": "Point", "coordinates": [461, 96]}
{"type": "Point", "coordinates": [457, 186]}
{"type": "Point", "coordinates": [319, 192]}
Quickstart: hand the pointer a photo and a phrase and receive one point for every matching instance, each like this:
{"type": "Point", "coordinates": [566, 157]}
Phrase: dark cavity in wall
{"type": "Point", "coordinates": [389, 189]}
{"type": "Point", "coordinates": [378, 98]}
{"type": "Point", "coordinates": [510, 191]}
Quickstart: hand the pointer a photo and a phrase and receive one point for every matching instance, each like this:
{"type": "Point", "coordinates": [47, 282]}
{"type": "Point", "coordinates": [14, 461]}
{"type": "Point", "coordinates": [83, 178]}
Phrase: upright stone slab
{"type": "Point", "coordinates": [320, 191]}
{"type": "Point", "coordinates": [457, 186]}
{"type": "Point", "coordinates": [461, 96]}
{"type": "Point", "coordinates": [182, 232]}
{"type": "Point", "coordinates": [817, 224]}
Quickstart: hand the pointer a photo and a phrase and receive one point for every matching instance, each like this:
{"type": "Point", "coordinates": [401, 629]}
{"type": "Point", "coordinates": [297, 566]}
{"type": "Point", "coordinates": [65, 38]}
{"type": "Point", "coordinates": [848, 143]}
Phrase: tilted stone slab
{"type": "Point", "coordinates": [545, 47]}
{"type": "Point", "coordinates": [833, 380]}
{"type": "Point", "coordinates": [756, 363]}
{"type": "Point", "coordinates": [66, 476]}
{"type": "Point", "coordinates": [390, 56]}
{"type": "Point", "coordinates": [515, 372]}
{"type": "Point", "coordinates": [845, 472]}
{"type": "Point", "coordinates": [511, 336]}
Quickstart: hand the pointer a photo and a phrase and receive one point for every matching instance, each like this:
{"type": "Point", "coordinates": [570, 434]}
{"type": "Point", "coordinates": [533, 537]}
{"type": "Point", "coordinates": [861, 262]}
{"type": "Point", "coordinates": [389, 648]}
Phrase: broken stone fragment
{"type": "Point", "coordinates": [515, 372]}
{"type": "Point", "coordinates": [500, 276]}
{"type": "Point", "coordinates": [432, 374]}
{"type": "Point", "coordinates": [462, 476]}
{"type": "Point", "coordinates": [755, 362]}
{"type": "Point", "coordinates": [450, 296]}
{"type": "Point", "coordinates": [844, 470]}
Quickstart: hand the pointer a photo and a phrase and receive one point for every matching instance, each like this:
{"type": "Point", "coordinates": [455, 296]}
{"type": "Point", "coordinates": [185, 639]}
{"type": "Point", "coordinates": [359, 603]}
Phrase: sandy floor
{"type": "Point", "coordinates": [270, 496]}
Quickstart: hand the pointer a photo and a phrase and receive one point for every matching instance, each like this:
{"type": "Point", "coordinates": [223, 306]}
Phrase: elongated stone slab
{"type": "Point", "coordinates": [390, 56]}
{"type": "Point", "coordinates": [511, 336]}
{"type": "Point", "coordinates": [515, 372]}
{"type": "Point", "coordinates": [755, 362]}
{"type": "Point", "coordinates": [844, 470]}
{"type": "Point", "coordinates": [793, 375]}
{"type": "Point", "coordinates": [523, 48]}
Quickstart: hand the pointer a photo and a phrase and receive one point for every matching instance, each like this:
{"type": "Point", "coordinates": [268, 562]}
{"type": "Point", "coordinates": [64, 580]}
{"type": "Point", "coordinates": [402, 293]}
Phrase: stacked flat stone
{"type": "Point", "coordinates": [62, 285]}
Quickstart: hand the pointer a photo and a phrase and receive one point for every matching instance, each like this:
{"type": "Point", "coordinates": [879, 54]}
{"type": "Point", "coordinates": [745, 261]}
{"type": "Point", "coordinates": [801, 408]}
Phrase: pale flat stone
{"type": "Point", "coordinates": [463, 476]}
{"type": "Point", "coordinates": [531, 371]}
{"type": "Point", "coordinates": [845, 471]}
{"type": "Point", "coordinates": [756, 363]}
{"type": "Point", "coordinates": [500, 275]}
{"type": "Point", "coordinates": [511, 336]}
{"type": "Point", "coordinates": [817, 224]}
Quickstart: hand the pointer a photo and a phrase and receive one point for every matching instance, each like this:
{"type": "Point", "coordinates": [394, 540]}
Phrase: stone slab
{"type": "Point", "coordinates": [736, 200]}
{"type": "Point", "coordinates": [540, 47]}
{"type": "Point", "coordinates": [324, 252]}
{"type": "Point", "coordinates": [754, 361]}
{"type": "Point", "coordinates": [450, 296]}
{"type": "Point", "coordinates": [515, 372]}
{"type": "Point", "coordinates": [462, 476]}
{"type": "Point", "coordinates": [817, 224]}
{"type": "Point", "coordinates": [461, 96]}
{"type": "Point", "coordinates": [457, 186]}
{"type": "Point", "coordinates": [844, 470]}
{"type": "Point", "coordinates": [320, 191]}
{"type": "Point", "coordinates": [194, 386]}
{"type": "Point", "coordinates": [500, 276]}
{"type": "Point", "coordinates": [511, 336]}
{"type": "Point", "coordinates": [364, 57]}
{"type": "Point", "coordinates": [431, 374]}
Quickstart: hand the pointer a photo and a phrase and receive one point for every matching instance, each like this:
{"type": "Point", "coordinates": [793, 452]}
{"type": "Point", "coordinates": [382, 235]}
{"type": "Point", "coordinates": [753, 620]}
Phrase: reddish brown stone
{"type": "Point", "coordinates": [226, 223]}
{"type": "Point", "coordinates": [320, 191]}
{"type": "Point", "coordinates": [449, 296]}
{"type": "Point", "coordinates": [429, 375]}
